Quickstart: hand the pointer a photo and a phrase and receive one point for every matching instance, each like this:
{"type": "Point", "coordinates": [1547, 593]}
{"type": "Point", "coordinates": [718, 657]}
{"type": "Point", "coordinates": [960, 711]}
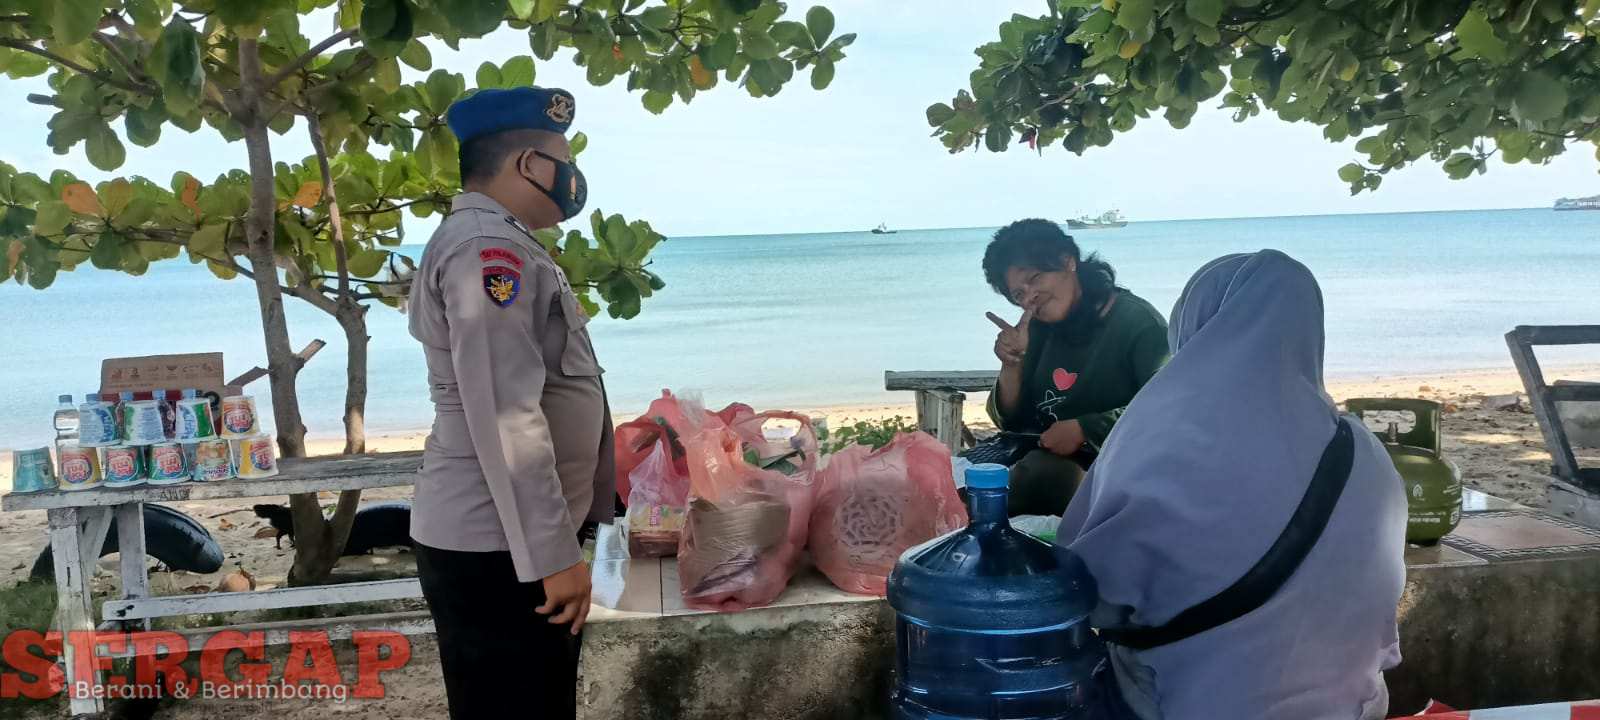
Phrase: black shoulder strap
{"type": "Point", "coordinates": [1274, 568]}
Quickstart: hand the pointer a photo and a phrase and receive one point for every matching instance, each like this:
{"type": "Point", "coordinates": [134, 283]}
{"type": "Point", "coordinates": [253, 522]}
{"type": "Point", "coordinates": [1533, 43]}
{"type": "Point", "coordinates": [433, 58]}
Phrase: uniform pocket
{"type": "Point", "coordinates": [577, 359]}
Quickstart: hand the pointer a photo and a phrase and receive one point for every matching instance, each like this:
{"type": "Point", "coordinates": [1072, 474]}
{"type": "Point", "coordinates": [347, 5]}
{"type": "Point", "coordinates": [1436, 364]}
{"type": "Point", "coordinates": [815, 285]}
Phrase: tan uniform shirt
{"type": "Point", "coordinates": [521, 448]}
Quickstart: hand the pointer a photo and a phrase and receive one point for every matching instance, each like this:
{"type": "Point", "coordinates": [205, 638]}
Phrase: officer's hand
{"type": "Point", "coordinates": [568, 592]}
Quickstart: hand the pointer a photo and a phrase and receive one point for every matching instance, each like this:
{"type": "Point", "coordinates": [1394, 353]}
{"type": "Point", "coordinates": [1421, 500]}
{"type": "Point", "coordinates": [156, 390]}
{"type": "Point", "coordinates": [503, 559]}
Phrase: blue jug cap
{"type": "Point", "coordinates": [988, 476]}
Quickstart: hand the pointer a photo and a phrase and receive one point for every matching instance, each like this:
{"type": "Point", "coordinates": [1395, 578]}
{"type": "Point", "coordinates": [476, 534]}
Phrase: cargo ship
{"type": "Point", "coordinates": [1589, 203]}
{"type": "Point", "coordinates": [1106, 221]}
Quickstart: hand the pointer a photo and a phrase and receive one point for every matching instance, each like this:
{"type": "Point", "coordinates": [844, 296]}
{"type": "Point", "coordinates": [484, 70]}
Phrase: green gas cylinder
{"type": "Point", "coordinates": [1432, 483]}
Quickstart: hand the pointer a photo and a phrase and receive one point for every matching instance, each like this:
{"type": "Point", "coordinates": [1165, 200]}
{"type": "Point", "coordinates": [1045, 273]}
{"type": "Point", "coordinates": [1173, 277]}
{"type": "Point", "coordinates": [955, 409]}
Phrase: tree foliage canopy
{"type": "Point", "coordinates": [139, 69]}
{"type": "Point", "coordinates": [1457, 81]}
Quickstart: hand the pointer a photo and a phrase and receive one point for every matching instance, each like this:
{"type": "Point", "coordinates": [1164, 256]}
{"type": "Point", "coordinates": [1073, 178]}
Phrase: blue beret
{"type": "Point", "coordinates": [526, 108]}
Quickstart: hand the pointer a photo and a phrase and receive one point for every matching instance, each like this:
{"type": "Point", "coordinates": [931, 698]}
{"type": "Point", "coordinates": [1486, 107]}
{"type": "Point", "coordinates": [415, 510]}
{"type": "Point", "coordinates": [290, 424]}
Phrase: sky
{"type": "Point", "coordinates": [860, 153]}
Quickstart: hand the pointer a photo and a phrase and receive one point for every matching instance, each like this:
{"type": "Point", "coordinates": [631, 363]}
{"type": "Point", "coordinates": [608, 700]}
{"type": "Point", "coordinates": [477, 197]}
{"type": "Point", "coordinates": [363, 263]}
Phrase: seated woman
{"type": "Point", "coordinates": [1081, 350]}
{"type": "Point", "coordinates": [1221, 475]}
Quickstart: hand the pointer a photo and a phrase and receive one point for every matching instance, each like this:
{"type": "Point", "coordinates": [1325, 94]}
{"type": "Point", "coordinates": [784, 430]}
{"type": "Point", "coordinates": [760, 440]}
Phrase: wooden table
{"type": "Point", "coordinates": [79, 521]}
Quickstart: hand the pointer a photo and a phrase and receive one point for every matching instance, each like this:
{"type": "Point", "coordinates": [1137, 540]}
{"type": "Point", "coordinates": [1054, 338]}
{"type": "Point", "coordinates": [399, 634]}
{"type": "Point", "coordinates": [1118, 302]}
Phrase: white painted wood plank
{"type": "Point", "coordinates": [415, 622]}
{"type": "Point", "coordinates": [959, 380]}
{"type": "Point", "coordinates": [171, 605]}
{"type": "Point", "coordinates": [74, 608]}
{"type": "Point", "coordinates": [93, 526]}
{"type": "Point", "coordinates": [296, 475]}
{"type": "Point", "coordinates": [131, 549]}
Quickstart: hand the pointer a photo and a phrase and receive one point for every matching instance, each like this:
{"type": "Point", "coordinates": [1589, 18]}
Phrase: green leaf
{"type": "Point", "coordinates": [144, 124]}
{"type": "Point", "coordinates": [441, 89]}
{"type": "Point", "coordinates": [543, 40]}
{"type": "Point", "coordinates": [997, 138]}
{"type": "Point", "coordinates": [73, 21]}
{"type": "Point", "coordinates": [367, 263]}
{"type": "Point", "coordinates": [386, 75]}
{"type": "Point", "coordinates": [1460, 165]}
{"type": "Point", "coordinates": [517, 72]}
{"type": "Point", "coordinates": [657, 102]}
{"type": "Point", "coordinates": [241, 13]}
{"type": "Point", "coordinates": [522, 9]}
{"type": "Point", "coordinates": [209, 240]}
{"type": "Point", "coordinates": [1135, 16]}
{"type": "Point", "coordinates": [139, 212]}
{"type": "Point", "coordinates": [822, 75]}
{"type": "Point", "coordinates": [1205, 12]}
{"type": "Point", "coordinates": [107, 251]}
{"type": "Point", "coordinates": [52, 218]}
{"type": "Point", "coordinates": [758, 45]}
{"type": "Point", "coordinates": [175, 65]}
{"type": "Point", "coordinates": [1351, 173]}
{"type": "Point", "coordinates": [578, 143]}
{"type": "Point", "coordinates": [1539, 97]}
{"type": "Point", "coordinates": [1477, 37]}
{"type": "Point", "coordinates": [1590, 8]}
{"type": "Point", "coordinates": [473, 18]}
{"type": "Point", "coordinates": [115, 196]}
{"type": "Point", "coordinates": [417, 56]}
{"type": "Point", "coordinates": [105, 149]}
{"type": "Point", "coordinates": [939, 114]}
{"type": "Point", "coordinates": [819, 20]}
{"type": "Point", "coordinates": [222, 271]}
{"type": "Point", "coordinates": [489, 76]}
{"type": "Point", "coordinates": [720, 53]}
{"type": "Point", "coordinates": [792, 34]}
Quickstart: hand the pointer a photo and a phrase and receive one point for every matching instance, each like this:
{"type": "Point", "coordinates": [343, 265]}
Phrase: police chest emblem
{"type": "Point", "coordinates": [560, 109]}
{"type": "Point", "coordinates": [502, 284]}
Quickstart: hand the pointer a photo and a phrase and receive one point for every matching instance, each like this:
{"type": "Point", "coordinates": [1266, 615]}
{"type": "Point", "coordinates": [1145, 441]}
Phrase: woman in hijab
{"type": "Point", "coordinates": [1081, 350]}
{"type": "Point", "coordinates": [1198, 481]}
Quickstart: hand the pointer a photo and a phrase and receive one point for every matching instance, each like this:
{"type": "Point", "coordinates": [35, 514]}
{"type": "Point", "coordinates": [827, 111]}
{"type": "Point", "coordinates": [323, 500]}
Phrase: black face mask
{"type": "Point", "coordinates": [570, 191]}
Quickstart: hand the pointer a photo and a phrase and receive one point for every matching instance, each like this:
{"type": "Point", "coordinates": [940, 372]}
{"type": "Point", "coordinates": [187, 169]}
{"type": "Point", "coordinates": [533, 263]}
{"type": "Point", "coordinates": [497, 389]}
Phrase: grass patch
{"type": "Point", "coordinates": [27, 606]}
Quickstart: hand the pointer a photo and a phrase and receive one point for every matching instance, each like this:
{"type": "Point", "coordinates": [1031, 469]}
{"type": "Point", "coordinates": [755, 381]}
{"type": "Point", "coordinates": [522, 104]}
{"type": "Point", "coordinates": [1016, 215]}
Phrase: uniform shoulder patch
{"type": "Point", "coordinates": [502, 274]}
{"type": "Point", "coordinates": [500, 255]}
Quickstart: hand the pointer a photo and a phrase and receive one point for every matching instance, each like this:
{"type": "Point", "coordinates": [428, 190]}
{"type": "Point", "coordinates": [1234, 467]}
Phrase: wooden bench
{"type": "Point", "coordinates": [940, 396]}
{"type": "Point", "coordinates": [79, 521]}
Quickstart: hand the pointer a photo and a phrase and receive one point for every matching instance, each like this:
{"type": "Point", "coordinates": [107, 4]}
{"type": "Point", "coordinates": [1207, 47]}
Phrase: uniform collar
{"type": "Point", "coordinates": [477, 201]}
{"type": "Point", "coordinates": [480, 201]}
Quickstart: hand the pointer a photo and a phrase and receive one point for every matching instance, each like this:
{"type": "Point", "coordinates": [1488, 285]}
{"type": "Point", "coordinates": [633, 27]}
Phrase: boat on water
{"type": "Point", "coordinates": [1588, 203]}
{"type": "Point", "coordinates": [883, 229]}
{"type": "Point", "coordinates": [1106, 221]}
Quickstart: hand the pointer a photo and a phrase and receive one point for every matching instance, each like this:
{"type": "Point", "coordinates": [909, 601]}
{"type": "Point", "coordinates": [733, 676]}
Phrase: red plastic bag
{"type": "Point", "coordinates": [747, 522]}
{"type": "Point", "coordinates": [874, 504]}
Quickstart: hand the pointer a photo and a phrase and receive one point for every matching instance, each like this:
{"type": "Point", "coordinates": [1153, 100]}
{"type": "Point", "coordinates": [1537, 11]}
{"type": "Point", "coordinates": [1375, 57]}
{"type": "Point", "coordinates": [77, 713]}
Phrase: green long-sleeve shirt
{"type": "Point", "coordinates": [1088, 374]}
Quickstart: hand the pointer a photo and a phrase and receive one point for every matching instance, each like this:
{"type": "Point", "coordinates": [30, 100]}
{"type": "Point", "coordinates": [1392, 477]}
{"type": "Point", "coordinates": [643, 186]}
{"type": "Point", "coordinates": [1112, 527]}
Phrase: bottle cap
{"type": "Point", "coordinates": [988, 476]}
{"type": "Point", "coordinates": [91, 398]}
{"type": "Point", "coordinates": [65, 399]}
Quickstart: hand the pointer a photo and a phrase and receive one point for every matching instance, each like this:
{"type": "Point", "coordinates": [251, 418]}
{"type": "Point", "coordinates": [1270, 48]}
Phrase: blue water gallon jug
{"type": "Point", "coordinates": [991, 623]}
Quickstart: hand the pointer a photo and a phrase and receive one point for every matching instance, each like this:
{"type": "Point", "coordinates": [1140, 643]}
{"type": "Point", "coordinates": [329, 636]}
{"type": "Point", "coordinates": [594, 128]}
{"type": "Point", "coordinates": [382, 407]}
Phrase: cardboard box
{"type": "Point", "coordinates": [146, 375]}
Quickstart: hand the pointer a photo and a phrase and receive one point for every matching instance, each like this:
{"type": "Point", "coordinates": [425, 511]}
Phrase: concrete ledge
{"type": "Point", "coordinates": [828, 661]}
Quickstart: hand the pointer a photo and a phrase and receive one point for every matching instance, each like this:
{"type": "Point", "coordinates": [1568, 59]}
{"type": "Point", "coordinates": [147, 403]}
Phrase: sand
{"type": "Point", "coordinates": [1500, 452]}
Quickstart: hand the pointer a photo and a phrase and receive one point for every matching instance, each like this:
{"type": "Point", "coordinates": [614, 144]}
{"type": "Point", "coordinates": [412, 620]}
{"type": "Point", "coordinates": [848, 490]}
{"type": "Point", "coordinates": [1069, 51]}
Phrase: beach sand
{"type": "Point", "coordinates": [1500, 452]}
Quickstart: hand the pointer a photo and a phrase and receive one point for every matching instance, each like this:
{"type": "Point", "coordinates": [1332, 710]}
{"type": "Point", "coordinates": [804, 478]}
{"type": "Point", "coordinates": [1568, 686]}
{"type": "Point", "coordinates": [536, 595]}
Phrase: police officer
{"type": "Point", "coordinates": [520, 453]}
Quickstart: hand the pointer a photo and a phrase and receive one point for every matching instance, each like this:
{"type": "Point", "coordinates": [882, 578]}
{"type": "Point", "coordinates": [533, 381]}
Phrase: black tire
{"type": "Point", "coordinates": [172, 537]}
{"type": "Point", "coordinates": [379, 525]}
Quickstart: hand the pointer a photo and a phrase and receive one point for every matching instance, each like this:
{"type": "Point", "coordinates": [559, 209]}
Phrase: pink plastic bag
{"type": "Point", "coordinates": [653, 476]}
{"type": "Point", "coordinates": [747, 523]}
{"type": "Point", "coordinates": [874, 504]}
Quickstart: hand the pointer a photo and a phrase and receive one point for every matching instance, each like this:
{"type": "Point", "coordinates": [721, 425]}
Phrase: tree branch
{"type": "Point", "coordinates": [75, 67]}
{"type": "Point", "coordinates": [341, 258]}
{"type": "Point", "coordinates": [401, 206]}
{"type": "Point", "coordinates": [306, 58]}
{"type": "Point", "coordinates": [116, 53]}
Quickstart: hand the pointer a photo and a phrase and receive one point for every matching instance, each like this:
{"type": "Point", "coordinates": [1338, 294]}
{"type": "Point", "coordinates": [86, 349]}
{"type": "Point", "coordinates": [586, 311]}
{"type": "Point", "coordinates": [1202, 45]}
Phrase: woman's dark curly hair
{"type": "Point", "coordinates": [1041, 245]}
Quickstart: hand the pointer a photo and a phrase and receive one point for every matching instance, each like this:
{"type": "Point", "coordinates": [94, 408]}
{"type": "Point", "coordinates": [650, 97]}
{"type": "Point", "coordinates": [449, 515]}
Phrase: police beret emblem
{"type": "Point", "coordinates": [560, 109]}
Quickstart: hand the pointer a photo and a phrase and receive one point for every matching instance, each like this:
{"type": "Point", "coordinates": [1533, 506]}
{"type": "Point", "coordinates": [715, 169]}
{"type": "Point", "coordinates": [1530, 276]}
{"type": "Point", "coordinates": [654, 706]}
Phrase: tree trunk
{"type": "Point", "coordinates": [281, 366]}
{"type": "Point", "coordinates": [354, 322]}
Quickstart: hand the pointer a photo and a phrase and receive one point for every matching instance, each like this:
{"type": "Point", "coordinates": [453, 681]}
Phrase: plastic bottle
{"type": "Point", "coordinates": [992, 623]}
{"type": "Point", "coordinates": [66, 420]}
